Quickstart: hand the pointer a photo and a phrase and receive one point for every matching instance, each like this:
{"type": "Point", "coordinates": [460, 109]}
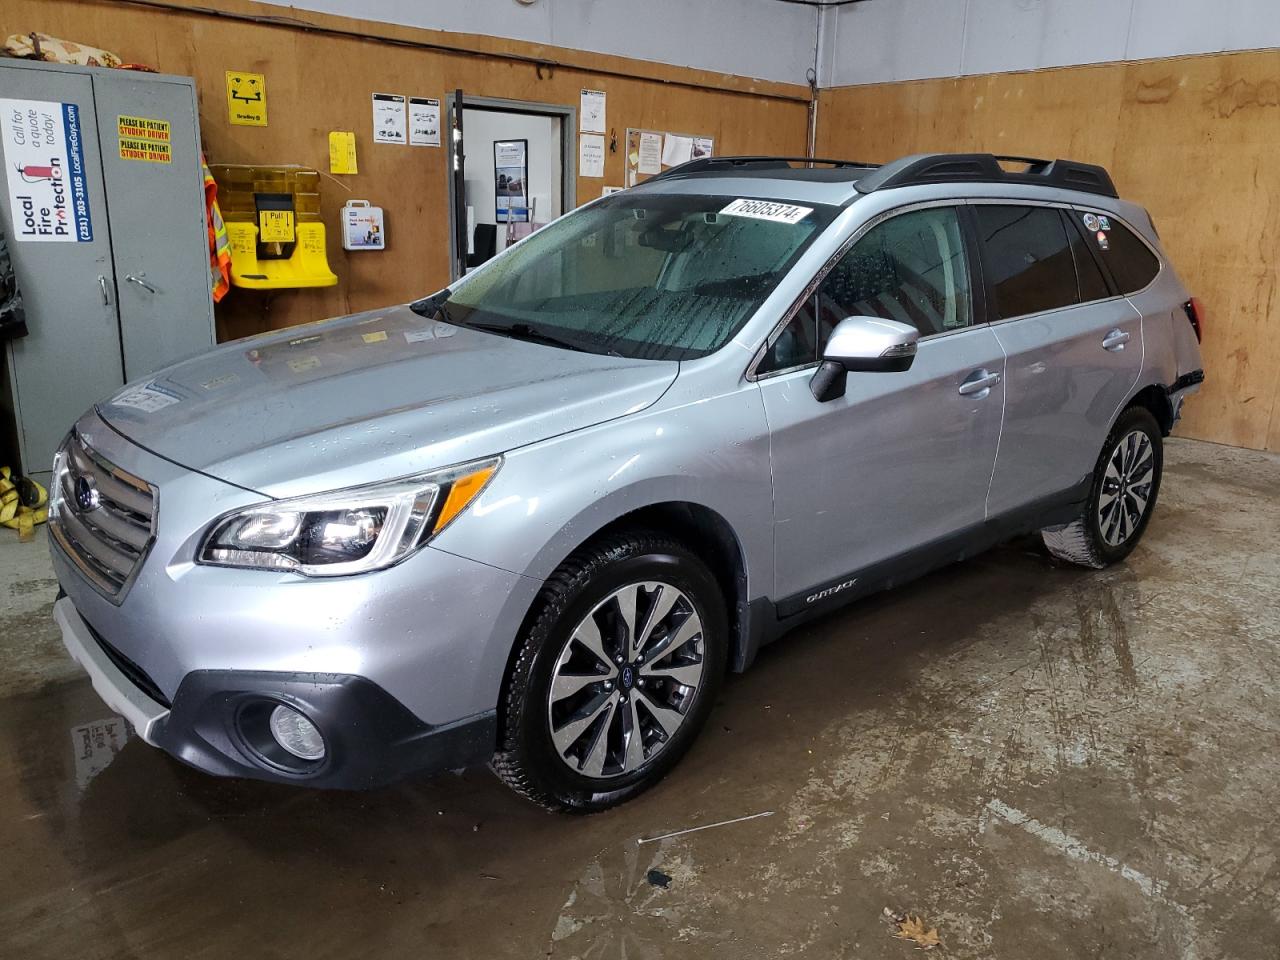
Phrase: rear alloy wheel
{"type": "Point", "coordinates": [614, 676]}
{"type": "Point", "coordinates": [1126, 482]}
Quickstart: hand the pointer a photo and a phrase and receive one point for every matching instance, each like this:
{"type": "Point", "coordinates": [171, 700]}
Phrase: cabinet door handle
{"type": "Point", "coordinates": [102, 285]}
{"type": "Point", "coordinates": [140, 282]}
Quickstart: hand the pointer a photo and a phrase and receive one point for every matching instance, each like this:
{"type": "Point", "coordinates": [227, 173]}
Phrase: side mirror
{"type": "Point", "coordinates": [863, 345]}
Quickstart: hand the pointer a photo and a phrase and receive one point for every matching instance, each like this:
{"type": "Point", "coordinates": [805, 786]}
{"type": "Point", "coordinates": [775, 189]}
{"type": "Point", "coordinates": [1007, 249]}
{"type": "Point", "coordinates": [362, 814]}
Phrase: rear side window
{"type": "Point", "coordinates": [1130, 260]}
{"type": "Point", "coordinates": [1027, 256]}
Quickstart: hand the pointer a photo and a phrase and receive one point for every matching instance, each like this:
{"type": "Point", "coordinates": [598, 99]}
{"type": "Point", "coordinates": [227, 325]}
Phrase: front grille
{"type": "Point", "coordinates": [135, 674]}
{"type": "Point", "coordinates": [103, 517]}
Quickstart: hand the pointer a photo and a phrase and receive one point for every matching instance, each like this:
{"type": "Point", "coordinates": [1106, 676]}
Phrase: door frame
{"type": "Point", "coordinates": [568, 153]}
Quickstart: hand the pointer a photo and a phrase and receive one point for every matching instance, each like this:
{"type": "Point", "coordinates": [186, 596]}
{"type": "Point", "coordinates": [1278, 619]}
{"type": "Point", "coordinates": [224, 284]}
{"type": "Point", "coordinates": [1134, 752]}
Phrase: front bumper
{"type": "Point", "coordinates": [215, 722]}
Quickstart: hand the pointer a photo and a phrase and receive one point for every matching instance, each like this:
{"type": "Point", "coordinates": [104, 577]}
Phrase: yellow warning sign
{"type": "Point", "coordinates": [275, 226]}
{"type": "Point", "coordinates": [144, 139]}
{"type": "Point", "coordinates": [247, 99]}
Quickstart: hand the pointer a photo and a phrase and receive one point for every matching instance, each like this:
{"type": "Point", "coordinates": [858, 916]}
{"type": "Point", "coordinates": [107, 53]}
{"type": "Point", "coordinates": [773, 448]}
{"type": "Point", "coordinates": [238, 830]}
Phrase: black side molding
{"type": "Point", "coordinates": [822, 598]}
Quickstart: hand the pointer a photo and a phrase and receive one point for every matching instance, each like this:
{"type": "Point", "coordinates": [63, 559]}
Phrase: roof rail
{"type": "Point", "coordinates": [722, 164]}
{"type": "Point", "coordinates": [985, 168]}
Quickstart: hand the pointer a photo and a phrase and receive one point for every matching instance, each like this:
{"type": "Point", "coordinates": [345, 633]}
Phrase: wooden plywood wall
{"type": "Point", "coordinates": [317, 82]}
{"type": "Point", "coordinates": [1194, 139]}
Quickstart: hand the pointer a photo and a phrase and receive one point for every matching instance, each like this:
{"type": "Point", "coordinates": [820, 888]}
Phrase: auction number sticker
{"type": "Point", "coordinates": [767, 210]}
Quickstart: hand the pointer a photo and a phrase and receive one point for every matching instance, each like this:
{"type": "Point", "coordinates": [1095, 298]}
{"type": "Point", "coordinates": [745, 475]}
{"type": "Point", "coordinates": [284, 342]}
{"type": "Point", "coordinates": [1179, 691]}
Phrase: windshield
{"type": "Point", "coordinates": [656, 277]}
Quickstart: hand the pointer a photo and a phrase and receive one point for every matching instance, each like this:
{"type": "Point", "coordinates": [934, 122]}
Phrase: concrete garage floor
{"type": "Point", "coordinates": [1043, 762]}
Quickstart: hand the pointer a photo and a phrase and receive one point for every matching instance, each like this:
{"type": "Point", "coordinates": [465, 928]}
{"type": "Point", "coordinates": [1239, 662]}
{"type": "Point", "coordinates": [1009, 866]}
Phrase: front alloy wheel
{"type": "Point", "coordinates": [614, 675]}
{"type": "Point", "coordinates": [625, 679]}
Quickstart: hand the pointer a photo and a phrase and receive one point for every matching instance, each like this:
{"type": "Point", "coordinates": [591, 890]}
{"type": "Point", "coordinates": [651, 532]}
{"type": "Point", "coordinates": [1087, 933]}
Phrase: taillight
{"type": "Point", "coordinates": [1195, 313]}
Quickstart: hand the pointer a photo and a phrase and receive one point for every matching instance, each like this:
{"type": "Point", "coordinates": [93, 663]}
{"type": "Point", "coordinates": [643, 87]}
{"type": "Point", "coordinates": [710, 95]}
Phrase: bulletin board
{"type": "Point", "coordinates": [640, 158]}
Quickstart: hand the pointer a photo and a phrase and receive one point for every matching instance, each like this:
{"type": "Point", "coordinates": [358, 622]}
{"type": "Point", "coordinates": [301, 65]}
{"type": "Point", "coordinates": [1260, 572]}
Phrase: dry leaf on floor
{"type": "Point", "coordinates": [913, 929]}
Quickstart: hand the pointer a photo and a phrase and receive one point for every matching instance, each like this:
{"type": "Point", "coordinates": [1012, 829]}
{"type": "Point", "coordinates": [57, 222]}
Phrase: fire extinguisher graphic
{"type": "Point", "coordinates": [34, 174]}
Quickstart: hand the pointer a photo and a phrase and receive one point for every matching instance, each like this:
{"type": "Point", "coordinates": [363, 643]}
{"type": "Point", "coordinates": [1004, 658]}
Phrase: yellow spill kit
{"type": "Point", "coordinates": [272, 215]}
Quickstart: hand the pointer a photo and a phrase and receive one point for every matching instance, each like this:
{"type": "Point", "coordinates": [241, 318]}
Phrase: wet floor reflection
{"type": "Point", "coordinates": [878, 735]}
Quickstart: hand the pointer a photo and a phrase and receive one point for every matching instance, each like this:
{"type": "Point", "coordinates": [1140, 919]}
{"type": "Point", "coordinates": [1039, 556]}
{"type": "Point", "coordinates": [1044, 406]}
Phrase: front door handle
{"type": "Point", "coordinates": [1115, 340]}
{"type": "Point", "coordinates": [140, 281]}
{"type": "Point", "coordinates": [979, 383]}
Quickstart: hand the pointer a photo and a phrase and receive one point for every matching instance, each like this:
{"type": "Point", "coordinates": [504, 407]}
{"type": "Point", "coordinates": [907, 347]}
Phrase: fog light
{"type": "Point", "coordinates": [296, 733]}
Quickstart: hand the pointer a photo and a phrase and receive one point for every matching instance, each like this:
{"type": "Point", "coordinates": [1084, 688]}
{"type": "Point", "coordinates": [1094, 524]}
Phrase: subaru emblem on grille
{"type": "Point", "coordinates": [87, 496]}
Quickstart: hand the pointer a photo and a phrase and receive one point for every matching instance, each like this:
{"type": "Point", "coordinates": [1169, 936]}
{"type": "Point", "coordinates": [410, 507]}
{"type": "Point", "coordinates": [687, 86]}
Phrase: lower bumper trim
{"type": "Point", "coordinates": [112, 685]}
{"type": "Point", "coordinates": [371, 738]}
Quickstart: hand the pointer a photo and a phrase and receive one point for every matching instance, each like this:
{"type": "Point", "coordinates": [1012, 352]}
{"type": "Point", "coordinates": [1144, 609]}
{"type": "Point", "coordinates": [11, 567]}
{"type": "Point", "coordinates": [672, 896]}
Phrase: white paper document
{"type": "Point", "coordinates": [592, 111]}
{"type": "Point", "coordinates": [424, 122]}
{"type": "Point", "coordinates": [677, 150]}
{"type": "Point", "coordinates": [590, 155]}
{"type": "Point", "coordinates": [702, 147]}
{"type": "Point", "coordinates": [388, 119]}
{"type": "Point", "coordinates": [650, 161]}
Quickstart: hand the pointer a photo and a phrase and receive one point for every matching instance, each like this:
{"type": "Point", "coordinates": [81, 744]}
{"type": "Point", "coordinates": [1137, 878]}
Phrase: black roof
{"type": "Point", "coordinates": [909, 171]}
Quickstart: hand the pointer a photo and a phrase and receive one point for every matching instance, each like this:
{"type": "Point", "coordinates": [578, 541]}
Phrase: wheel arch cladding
{"type": "Point", "coordinates": [1156, 399]}
{"type": "Point", "coordinates": [710, 537]}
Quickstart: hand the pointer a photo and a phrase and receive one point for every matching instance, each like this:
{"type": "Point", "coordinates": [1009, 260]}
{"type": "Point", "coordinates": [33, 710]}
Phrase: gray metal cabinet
{"type": "Point", "coordinates": [122, 288]}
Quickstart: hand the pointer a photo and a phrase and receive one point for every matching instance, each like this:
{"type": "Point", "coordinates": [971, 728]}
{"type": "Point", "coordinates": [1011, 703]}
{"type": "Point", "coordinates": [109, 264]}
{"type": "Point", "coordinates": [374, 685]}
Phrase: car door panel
{"type": "Point", "coordinates": [901, 460]}
{"type": "Point", "coordinates": [1069, 368]}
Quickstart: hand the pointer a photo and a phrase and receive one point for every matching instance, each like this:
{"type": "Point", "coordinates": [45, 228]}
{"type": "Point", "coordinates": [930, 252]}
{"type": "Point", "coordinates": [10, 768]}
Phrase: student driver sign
{"type": "Point", "coordinates": [44, 162]}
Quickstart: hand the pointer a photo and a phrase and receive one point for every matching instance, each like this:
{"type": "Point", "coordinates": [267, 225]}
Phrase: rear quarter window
{"type": "Point", "coordinates": [1130, 261]}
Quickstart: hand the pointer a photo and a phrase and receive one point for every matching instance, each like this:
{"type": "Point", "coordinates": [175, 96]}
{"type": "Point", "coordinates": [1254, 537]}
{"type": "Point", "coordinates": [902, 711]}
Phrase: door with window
{"type": "Point", "coordinates": [902, 459]}
{"type": "Point", "coordinates": [1074, 349]}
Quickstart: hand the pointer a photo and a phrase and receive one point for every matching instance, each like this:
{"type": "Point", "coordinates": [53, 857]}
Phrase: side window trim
{"type": "Point", "coordinates": [983, 296]}
{"type": "Point", "coordinates": [968, 235]}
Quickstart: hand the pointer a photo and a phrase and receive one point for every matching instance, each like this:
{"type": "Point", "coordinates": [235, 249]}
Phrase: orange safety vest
{"type": "Point", "coordinates": [219, 242]}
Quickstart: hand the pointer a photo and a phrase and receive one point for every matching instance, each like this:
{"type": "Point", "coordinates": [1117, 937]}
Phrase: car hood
{"type": "Point", "coordinates": [369, 397]}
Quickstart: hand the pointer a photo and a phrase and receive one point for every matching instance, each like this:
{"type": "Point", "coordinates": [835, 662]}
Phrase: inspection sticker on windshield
{"type": "Point", "coordinates": [767, 210]}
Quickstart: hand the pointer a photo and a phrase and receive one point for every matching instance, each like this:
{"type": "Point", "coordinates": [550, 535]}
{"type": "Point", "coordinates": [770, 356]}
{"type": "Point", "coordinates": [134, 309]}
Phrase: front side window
{"type": "Point", "coordinates": [1027, 258]}
{"type": "Point", "coordinates": [911, 268]}
{"type": "Point", "coordinates": [651, 276]}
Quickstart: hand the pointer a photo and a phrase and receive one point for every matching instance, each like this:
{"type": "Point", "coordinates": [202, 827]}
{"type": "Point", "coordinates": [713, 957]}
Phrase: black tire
{"type": "Point", "coordinates": [527, 759]}
{"type": "Point", "coordinates": [1083, 541]}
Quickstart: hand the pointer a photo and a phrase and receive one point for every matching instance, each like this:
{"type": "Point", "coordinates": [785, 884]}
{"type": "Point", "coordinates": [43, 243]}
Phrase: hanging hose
{"type": "Point", "coordinates": [22, 503]}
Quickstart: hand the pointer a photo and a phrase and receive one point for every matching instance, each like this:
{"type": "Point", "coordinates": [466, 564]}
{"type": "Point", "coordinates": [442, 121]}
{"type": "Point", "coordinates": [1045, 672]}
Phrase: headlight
{"type": "Point", "coordinates": [346, 531]}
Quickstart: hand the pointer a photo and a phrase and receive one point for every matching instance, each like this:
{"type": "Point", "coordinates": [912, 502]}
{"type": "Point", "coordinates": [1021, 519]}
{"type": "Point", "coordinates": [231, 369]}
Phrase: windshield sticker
{"type": "Point", "coordinates": [767, 210]}
{"type": "Point", "coordinates": [1092, 223]}
{"type": "Point", "coordinates": [147, 397]}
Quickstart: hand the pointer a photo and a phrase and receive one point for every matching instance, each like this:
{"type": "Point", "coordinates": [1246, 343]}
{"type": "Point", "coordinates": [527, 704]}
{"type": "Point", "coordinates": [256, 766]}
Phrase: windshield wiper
{"type": "Point", "coordinates": [523, 331]}
{"type": "Point", "coordinates": [430, 306]}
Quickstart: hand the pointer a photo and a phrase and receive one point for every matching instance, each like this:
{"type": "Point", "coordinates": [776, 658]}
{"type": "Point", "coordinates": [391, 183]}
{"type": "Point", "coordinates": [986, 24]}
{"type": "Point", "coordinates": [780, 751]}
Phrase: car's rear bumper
{"type": "Point", "coordinates": [216, 718]}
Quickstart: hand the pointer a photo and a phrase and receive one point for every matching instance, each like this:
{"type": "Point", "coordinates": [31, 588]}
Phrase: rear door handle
{"type": "Point", "coordinates": [979, 383]}
{"type": "Point", "coordinates": [1115, 340]}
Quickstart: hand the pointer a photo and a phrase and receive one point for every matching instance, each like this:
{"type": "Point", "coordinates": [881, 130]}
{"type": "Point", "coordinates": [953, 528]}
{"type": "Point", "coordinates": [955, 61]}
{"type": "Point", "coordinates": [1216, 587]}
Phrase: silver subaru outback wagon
{"type": "Point", "coordinates": [533, 519]}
